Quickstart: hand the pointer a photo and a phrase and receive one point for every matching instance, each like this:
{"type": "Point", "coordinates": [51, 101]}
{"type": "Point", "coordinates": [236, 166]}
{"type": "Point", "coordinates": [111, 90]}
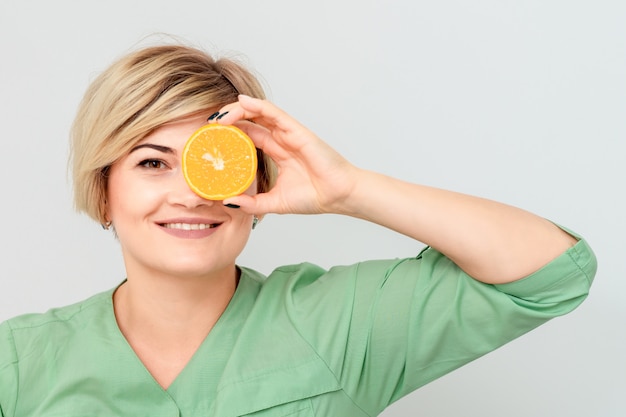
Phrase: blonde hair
{"type": "Point", "coordinates": [139, 93]}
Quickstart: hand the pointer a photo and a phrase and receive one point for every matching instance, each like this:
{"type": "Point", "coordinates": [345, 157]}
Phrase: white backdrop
{"type": "Point", "coordinates": [519, 101]}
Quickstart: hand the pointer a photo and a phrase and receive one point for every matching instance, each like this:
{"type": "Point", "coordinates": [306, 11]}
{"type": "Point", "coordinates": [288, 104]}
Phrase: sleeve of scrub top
{"type": "Point", "coordinates": [8, 371]}
{"type": "Point", "coordinates": [386, 328]}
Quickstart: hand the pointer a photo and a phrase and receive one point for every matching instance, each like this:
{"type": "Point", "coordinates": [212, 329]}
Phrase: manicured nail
{"type": "Point", "coordinates": [213, 116]}
{"type": "Point", "coordinates": [222, 115]}
{"type": "Point", "coordinates": [233, 206]}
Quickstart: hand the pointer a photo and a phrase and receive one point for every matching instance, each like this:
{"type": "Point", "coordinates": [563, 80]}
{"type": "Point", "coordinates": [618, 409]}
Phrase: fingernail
{"type": "Point", "coordinates": [222, 115]}
{"type": "Point", "coordinates": [233, 206]}
{"type": "Point", "coordinates": [213, 116]}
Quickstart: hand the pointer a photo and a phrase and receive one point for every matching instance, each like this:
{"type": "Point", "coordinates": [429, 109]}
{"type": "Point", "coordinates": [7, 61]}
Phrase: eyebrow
{"type": "Point", "coordinates": [164, 149]}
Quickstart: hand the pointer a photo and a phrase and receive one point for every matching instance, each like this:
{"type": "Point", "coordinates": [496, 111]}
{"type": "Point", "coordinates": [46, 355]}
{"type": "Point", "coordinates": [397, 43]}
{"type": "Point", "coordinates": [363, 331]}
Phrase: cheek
{"type": "Point", "coordinates": [241, 223]}
{"type": "Point", "coordinates": [127, 198]}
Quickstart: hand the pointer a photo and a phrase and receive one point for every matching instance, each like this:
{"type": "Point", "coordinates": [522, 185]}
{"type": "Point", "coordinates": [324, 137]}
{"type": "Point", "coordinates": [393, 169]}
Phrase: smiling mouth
{"type": "Point", "coordinates": [190, 226]}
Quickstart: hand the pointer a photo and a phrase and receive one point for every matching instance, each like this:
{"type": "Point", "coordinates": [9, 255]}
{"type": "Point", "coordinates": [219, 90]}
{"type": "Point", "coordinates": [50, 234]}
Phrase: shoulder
{"type": "Point", "coordinates": [63, 314]}
{"type": "Point", "coordinates": [306, 294]}
{"type": "Point", "coordinates": [32, 333]}
{"type": "Point", "coordinates": [30, 342]}
{"type": "Point", "coordinates": [304, 274]}
{"type": "Point", "coordinates": [306, 284]}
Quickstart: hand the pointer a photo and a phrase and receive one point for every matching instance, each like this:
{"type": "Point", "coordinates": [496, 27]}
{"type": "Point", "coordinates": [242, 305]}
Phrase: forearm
{"type": "Point", "coordinates": [491, 241]}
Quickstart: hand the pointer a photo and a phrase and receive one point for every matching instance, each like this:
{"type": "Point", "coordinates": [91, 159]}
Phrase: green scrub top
{"type": "Point", "coordinates": [302, 342]}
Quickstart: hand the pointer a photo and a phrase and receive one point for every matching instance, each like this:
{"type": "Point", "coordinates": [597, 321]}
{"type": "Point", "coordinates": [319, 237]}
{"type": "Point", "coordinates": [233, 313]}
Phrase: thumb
{"type": "Point", "coordinates": [246, 203]}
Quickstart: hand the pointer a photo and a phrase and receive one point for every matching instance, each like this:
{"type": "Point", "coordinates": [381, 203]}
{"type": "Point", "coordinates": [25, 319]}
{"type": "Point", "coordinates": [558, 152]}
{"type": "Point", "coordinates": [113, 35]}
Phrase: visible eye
{"type": "Point", "coordinates": [153, 164]}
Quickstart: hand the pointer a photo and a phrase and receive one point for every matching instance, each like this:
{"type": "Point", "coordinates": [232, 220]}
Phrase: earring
{"type": "Point", "coordinates": [107, 225]}
{"type": "Point", "coordinates": [255, 221]}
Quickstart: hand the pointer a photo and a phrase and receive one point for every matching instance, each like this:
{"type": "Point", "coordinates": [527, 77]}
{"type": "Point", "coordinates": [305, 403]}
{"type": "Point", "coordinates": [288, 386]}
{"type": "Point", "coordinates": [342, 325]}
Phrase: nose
{"type": "Point", "coordinates": [182, 195]}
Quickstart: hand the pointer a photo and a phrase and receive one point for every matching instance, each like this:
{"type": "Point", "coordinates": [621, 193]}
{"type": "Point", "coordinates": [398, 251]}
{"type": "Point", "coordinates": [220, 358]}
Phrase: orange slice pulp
{"type": "Point", "coordinates": [219, 161]}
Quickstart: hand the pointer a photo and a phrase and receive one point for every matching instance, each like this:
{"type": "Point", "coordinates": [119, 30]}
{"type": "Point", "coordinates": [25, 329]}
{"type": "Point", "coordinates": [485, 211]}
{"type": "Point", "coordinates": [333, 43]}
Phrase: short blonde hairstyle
{"type": "Point", "coordinates": [139, 93]}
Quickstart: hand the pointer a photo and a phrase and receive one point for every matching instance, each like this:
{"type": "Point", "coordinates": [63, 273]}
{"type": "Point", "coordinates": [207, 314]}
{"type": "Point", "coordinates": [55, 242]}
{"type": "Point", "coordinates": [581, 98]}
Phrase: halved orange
{"type": "Point", "coordinates": [219, 161]}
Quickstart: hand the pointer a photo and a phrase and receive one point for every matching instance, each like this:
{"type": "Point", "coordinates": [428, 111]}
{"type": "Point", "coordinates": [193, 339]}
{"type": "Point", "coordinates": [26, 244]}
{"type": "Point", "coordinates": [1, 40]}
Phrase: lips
{"type": "Point", "coordinates": [189, 227]}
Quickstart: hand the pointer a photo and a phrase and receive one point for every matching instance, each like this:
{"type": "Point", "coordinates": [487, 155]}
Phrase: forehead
{"type": "Point", "coordinates": [174, 134]}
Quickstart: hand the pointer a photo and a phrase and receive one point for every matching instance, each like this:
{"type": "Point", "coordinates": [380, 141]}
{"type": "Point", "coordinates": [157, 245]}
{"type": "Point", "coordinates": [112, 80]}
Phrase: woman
{"type": "Point", "coordinates": [191, 333]}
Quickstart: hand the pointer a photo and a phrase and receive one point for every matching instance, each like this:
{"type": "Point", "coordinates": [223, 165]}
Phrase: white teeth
{"type": "Point", "coordinates": [189, 226]}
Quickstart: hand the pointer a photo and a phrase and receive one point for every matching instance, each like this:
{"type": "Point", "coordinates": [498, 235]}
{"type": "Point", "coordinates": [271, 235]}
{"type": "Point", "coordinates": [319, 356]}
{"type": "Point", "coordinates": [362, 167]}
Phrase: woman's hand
{"type": "Point", "coordinates": [313, 178]}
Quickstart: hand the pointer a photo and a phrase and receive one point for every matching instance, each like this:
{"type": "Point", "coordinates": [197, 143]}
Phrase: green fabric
{"type": "Point", "coordinates": [303, 342]}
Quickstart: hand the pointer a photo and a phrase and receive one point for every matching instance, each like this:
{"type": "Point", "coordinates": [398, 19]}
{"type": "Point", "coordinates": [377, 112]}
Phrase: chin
{"type": "Point", "coordinates": [194, 270]}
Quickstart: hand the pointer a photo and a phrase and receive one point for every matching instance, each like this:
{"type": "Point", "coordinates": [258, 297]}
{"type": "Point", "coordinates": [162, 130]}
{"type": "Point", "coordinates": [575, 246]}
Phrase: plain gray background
{"type": "Point", "coordinates": [519, 101]}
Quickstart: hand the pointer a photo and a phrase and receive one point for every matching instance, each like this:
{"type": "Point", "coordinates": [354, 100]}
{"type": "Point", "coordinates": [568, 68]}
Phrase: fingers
{"type": "Point", "coordinates": [259, 111]}
{"type": "Point", "coordinates": [260, 135]}
{"type": "Point", "coordinates": [270, 128]}
{"type": "Point", "coordinates": [246, 108]}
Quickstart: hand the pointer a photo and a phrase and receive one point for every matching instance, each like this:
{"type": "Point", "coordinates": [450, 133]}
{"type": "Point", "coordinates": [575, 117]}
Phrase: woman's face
{"type": "Point", "coordinates": [162, 225]}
